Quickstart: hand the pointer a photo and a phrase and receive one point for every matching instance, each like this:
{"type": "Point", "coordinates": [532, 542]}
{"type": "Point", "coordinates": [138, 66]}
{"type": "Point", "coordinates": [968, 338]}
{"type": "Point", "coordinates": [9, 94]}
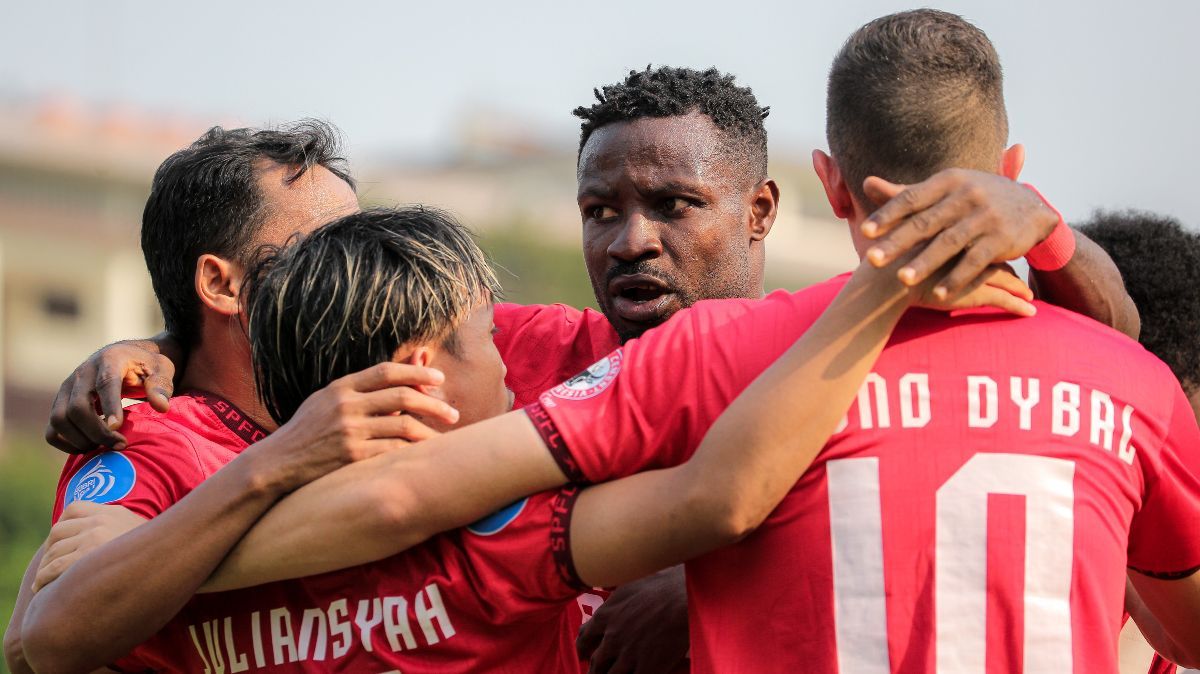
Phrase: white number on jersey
{"type": "Point", "coordinates": [960, 562]}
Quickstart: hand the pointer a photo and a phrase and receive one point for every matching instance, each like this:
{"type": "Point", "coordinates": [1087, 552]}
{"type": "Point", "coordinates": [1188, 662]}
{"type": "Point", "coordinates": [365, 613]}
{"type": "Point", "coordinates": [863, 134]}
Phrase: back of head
{"type": "Point", "coordinates": [206, 199]}
{"type": "Point", "coordinates": [350, 294]}
{"type": "Point", "coordinates": [911, 94]}
{"type": "Point", "coordinates": [674, 92]}
{"type": "Point", "coordinates": [1159, 261]}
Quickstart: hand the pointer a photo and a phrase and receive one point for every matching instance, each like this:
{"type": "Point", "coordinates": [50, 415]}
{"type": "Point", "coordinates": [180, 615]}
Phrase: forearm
{"type": "Point", "coordinates": [130, 587]}
{"type": "Point", "coordinates": [379, 507]}
{"type": "Point", "coordinates": [749, 459]}
{"type": "Point", "coordinates": [1090, 284]}
{"type": "Point", "coordinates": [1152, 630]}
{"type": "Point", "coordinates": [335, 522]}
{"type": "Point", "coordinates": [14, 648]}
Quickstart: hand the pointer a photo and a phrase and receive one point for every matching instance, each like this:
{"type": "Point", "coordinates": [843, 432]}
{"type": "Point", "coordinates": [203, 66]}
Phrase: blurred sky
{"type": "Point", "coordinates": [1104, 94]}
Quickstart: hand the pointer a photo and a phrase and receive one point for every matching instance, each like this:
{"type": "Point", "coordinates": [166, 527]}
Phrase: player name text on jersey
{"type": "Point", "coordinates": [284, 635]}
{"type": "Point", "coordinates": [905, 402]}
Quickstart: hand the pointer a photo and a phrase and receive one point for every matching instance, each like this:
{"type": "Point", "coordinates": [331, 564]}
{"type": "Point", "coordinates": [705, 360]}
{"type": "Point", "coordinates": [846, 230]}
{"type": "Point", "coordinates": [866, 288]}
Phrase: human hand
{"type": "Point", "coordinates": [356, 417]}
{"type": "Point", "coordinates": [83, 527]}
{"type": "Point", "coordinates": [977, 217]}
{"type": "Point", "coordinates": [642, 627]}
{"type": "Point", "coordinates": [132, 369]}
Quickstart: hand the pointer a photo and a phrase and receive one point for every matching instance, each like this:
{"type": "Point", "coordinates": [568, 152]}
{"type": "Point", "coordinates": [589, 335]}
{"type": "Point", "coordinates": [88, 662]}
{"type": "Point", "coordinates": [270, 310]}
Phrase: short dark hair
{"type": "Point", "coordinates": [1160, 263]}
{"type": "Point", "coordinates": [911, 94]}
{"type": "Point", "coordinates": [350, 294]}
{"type": "Point", "coordinates": [672, 92]}
{"type": "Point", "coordinates": [206, 199]}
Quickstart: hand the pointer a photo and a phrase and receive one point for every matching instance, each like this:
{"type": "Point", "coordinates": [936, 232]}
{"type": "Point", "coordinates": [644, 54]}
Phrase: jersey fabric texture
{"type": "Point", "coordinates": [975, 511]}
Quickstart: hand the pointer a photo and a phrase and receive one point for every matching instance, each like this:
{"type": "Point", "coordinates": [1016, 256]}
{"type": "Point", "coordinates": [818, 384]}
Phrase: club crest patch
{"type": "Point", "coordinates": [106, 478]}
{"type": "Point", "coordinates": [592, 381]}
{"type": "Point", "coordinates": [495, 523]}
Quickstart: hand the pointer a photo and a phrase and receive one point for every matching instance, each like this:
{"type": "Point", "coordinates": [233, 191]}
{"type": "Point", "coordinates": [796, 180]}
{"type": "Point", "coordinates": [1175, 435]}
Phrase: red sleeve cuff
{"type": "Point", "coordinates": [1056, 250]}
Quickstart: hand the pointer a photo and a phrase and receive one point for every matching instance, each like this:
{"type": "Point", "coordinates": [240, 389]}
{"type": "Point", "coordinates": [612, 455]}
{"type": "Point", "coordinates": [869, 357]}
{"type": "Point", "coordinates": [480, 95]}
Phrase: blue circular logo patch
{"type": "Point", "coordinates": [106, 478]}
{"type": "Point", "coordinates": [495, 523]}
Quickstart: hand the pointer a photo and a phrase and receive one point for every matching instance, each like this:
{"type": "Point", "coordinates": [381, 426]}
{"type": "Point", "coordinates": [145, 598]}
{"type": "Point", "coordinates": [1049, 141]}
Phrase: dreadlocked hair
{"type": "Point", "coordinates": [672, 92]}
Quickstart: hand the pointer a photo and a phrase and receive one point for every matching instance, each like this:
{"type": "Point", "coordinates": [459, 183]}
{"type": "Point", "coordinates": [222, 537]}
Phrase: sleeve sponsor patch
{"type": "Point", "coordinates": [592, 381]}
{"type": "Point", "coordinates": [495, 523]}
{"type": "Point", "coordinates": [106, 478]}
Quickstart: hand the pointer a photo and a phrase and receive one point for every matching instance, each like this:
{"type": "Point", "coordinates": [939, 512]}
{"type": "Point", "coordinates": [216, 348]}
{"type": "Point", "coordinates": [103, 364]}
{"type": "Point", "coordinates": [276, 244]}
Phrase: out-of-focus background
{"type": "Point", "coordinates": [467, 106]}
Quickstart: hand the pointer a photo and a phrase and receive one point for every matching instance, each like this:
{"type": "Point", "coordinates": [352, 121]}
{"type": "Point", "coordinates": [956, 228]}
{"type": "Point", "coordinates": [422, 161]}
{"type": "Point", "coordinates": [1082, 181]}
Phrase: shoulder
{"type": "Point", "coordinates": [548, 319]}
{"type": "Point", "coordinates": [161, 455]}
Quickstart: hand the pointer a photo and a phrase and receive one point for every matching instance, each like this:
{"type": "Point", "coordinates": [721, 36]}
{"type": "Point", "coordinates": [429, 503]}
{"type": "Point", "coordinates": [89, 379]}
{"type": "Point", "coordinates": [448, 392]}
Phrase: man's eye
{"type": "Point", "coordinates": [675, 206]}
{"type": "Point", "coordinates": [602, 212]}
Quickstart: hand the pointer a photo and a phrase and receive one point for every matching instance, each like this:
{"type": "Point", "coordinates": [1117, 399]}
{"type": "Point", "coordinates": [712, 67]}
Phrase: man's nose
{"type": "Point", "coordinates": [637, 239]}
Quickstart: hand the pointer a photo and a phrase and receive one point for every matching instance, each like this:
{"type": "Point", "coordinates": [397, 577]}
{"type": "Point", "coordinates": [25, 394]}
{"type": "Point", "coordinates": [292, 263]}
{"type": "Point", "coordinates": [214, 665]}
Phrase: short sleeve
{"type": "Point", "coordinates": [520, 556]}
{"type": "Point", "coordinates": [1162, 536]}
{"type": "Point", "coordinates": [155, 471]}
{"type": "Point", "coordinates": [649, 404]}
{"type": "Point", "coordinates": [542, 345]}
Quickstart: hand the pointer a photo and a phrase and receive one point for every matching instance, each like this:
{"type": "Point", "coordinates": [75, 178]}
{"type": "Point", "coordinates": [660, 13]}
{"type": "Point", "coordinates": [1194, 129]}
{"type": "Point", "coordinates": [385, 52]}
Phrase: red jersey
{"type": "Point", "coordinates": [975, 511]}
{"type": "Point", "coordinates": [490, 597]}
{"type": "Point", "coordinates": [542, 345]}
{"type": "Point", "coordinates": [545, 344]}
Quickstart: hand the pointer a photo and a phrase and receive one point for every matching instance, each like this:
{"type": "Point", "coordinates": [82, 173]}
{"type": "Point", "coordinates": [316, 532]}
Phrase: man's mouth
{"type": "Point", "coordinates": [640, 298]}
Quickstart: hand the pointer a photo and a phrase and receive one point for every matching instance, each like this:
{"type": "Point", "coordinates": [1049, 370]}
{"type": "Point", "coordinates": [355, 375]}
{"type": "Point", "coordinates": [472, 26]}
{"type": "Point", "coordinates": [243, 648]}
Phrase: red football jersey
{"type": "Point", "coordinates": [542, 345]}
{"type": "Point", "coordinates": [490, 597]}
{"type": "Point", "coordinates": [545, 344]}
{"type": "Point", "coordinates": [975, 512]}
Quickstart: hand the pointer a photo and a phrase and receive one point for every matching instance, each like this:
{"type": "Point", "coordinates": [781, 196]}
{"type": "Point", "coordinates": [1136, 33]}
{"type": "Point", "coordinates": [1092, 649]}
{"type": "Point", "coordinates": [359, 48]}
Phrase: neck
{"type": "Point", "coordinates": [220, 364]}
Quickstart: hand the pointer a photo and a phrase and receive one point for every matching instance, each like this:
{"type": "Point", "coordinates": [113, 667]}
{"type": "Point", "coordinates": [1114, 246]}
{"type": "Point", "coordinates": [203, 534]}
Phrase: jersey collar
{"type": "Point", "coordinates": [234, 419]}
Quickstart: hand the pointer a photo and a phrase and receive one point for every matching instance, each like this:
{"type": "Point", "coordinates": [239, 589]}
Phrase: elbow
{"type": "Point", "coordinates": [43, 648]}
{"type": "Point", "coordinates": [44, 655]}
{"type": "Point", "coordinates": [14, 651]}
{"type": "Point", "coordinates": [1186, 655]}
{"type": "Point", "coordinates": [729, 514]}
{"type": "Point", "coordinates": [393, 515]}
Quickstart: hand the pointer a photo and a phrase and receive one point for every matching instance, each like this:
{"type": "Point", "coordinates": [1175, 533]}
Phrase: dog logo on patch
{"type": "Point", "coordinates": [495, 523]}
{"type": "Point", "coordinates": [592, 381]}
{"type": "Point", "coordinates": [106, 478]}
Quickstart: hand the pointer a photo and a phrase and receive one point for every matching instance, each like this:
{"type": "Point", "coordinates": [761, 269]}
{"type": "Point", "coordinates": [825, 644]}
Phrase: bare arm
{"type": "Point", "coordinates": [376, 508]}
{"type": "Point", "coordinates": [1174, 613]}
{"type": "Point", "coordinates": [1090, 284]}
{"type": "Point", "coordinates": [130, 587]}
{"type": "Point", "coordinates": [753, 454]}
{"type": "Point", "coordinates": [14, 649]}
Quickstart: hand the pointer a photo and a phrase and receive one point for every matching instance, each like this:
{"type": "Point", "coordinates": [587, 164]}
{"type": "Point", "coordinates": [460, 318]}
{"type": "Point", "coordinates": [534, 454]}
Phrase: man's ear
{"type": "Point", "coordinates": [423, 356]}
{"type": "Point", "coordinates": [1012, 161]}
{"type": "Point", "coordinates": [763, 209]}
{"type": "Point", "coordinates": [218, 283]}
{"type": "Point", "coordinates": [835, 186]}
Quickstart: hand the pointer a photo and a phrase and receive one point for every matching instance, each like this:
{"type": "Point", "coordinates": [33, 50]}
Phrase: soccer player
{"type": "Point", "coordinates": [676, 203]}
{"type": "Point", "coordinates": [211, 206]}
{"type": "Point", "coordinates": [976, 509]}
{"type": "Point", "coordinates": [410, 286]}
{"type": "Point", "coordinates": [1160, 263]}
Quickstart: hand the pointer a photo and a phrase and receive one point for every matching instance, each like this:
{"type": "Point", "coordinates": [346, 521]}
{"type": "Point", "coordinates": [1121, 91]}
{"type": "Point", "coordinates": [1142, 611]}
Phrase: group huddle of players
{"type": "Point", "coordinates": [371, 465]}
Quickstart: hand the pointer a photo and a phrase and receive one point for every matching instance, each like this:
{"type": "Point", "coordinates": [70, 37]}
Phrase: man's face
{"type": "Point", "coordinates": [474, 371]}
{"type": "Point", "coordinates": [669, 219]}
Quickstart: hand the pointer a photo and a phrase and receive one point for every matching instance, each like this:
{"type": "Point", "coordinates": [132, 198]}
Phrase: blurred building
{"type": "Point", "coordinates": [74, 179]}
{"type": "Point", "coordinates": [72, 185]}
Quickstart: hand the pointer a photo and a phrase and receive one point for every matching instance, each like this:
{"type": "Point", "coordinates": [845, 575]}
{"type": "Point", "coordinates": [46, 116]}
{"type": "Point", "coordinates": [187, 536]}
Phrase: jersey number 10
{"type": "Point", "coordinates": [960, 562]}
